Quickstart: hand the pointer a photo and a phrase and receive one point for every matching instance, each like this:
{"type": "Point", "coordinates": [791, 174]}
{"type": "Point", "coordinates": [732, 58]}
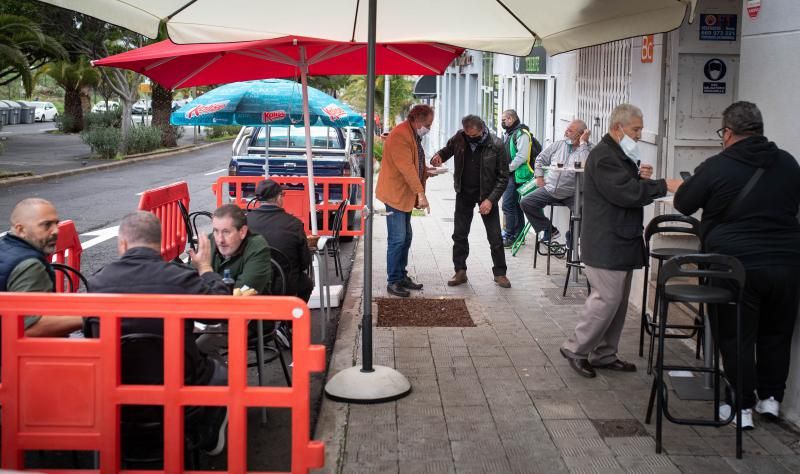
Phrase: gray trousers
{"type": "Point", "coordinates": [597, 334]}
{"type": "Point", "coordinates": [533, 206]}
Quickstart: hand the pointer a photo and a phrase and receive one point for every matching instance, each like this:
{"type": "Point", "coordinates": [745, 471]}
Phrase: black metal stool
{"type": "Point", "coordinates": [675, 223]}
{"type": "Point", "coordinates": [572, 246]}
{"type": "Point", "coordinates": [706, 267]}
{"type": "Point", "coordinates": [553, 249]}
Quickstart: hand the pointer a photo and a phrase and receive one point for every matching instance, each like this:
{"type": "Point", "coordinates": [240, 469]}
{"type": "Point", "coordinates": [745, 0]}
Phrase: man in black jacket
{"type": "Point", "coordinates": [481, 177]}
{"type": "Point", "coordinates": [285, 233]}
{"type": "Point", "coordinates": [762, 231]}
{"type": "Point", "coordinates": [141, 270]}
{"type": "Point", "coordinates": [615, 191]}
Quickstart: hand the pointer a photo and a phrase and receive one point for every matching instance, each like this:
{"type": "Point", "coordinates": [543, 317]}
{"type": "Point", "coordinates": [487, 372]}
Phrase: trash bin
{"type": "Point", "coordinates": [4, 110]}
{"type": "Point", "coordinates": [13, 112]}
{"type": "Point", "coordinates": [27, 113]}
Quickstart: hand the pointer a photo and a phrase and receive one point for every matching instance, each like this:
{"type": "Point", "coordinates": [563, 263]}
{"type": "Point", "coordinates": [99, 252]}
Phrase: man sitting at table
{"type": "Point", "coordinates": [235, 248]}
{"type": "Point", "coordinates": [557, 187]}
{"type": "Point", "coordinates": [285, 233]}
{"type": "Point", "coordinates": [140, 269]}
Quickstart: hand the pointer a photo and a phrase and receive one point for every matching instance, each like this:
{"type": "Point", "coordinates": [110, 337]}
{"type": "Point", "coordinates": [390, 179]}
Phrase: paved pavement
{"type": "Point", "coordinates": [499, 397]}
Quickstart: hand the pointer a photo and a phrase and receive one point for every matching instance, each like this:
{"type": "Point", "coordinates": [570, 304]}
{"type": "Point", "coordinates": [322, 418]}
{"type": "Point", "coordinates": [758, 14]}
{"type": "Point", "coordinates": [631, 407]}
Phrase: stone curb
{"type": "Point", "coordinates": [88, 169]}
{"type": "Point", "coordinates": [331, 427]}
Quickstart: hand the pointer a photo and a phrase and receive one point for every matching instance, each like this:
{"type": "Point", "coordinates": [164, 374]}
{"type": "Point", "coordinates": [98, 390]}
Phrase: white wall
{"type": "Point", "coordinates": [565, 68]}
{"type": "Point", "coordinates": [770, 65]}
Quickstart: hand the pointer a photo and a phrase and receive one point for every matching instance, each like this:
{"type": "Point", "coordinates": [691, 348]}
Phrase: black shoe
{"type": "Point", "coordinates": [618, 365]}
{"type": "Point", "coordinates": [508, 242]}
{"type": "Point", "coordinates": [581, 366]}
{"type": "Point", "coordinates": [216, 442]}
{"type": "Point", "coordinates": [409, 284]}
{"type": "Point", "coordinates": [397, 289]}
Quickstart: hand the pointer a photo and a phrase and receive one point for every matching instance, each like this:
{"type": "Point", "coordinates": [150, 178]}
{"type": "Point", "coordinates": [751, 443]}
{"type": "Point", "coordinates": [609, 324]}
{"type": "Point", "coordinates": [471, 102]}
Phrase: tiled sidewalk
{"type": "Point", "coordinates": [499, 397]}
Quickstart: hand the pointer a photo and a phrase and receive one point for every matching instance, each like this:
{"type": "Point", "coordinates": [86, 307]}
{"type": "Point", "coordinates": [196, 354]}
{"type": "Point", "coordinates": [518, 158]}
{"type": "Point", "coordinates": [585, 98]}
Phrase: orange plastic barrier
{"type": "Point", "coordinates": [232, 186]}
{"type": "Point", "coordinates": [163, 202]}
{"type": "Point", "coordinates": [68, 251]}
{"type": "Point", "coordinates": [65, 394]}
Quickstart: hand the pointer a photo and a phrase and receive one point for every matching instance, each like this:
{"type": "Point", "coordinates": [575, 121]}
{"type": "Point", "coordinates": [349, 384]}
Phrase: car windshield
{"type": "Point", "coordinates": [284, 136]}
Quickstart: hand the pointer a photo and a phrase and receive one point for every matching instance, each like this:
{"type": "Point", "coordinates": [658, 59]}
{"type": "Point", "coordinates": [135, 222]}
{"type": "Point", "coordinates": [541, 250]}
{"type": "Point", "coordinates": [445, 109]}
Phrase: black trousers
{"type": "Point", "coordinates": [465, 208]}
{"type": "Point", "coordinates": [769, 310]}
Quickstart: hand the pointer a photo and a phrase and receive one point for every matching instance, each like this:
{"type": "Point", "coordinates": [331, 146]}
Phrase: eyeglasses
{"type": "Point", "coordinates": [721, 132]}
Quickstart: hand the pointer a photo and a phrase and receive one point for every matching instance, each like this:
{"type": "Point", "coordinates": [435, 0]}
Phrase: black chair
{"type": "Point", "coordinates": [333, 242]}
{"type": "Point", "coordinates": [71, 275]}
{"type": "Point", "coordinates": [672, 223]}
{"type": "Point", "coordinates": [190, 221]}
{"type": "Point", "coordinates": [707, 268]}
{"type": "Point", "coordinates": [572, 243]}
{"type": "Point", "coordinates": [142, 427]}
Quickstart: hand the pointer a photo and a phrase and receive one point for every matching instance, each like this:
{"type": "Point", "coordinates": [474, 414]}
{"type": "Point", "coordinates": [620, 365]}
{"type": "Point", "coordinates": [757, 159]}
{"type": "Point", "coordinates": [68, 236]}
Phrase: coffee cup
{"type": "Point", "coordinates": [577, 165]}
{"type": "Point", "coordinates": [560, 165]}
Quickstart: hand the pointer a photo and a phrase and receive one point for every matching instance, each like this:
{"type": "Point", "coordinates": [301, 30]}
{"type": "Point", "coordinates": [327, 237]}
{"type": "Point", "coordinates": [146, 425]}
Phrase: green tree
{"type": "Point", "coordinates": [400, 94]}
{"type": "Point", "coordinates": [23, 49]}
{"type": "Point", "coordinates": [73, 77]}
{"type": "Point", "coordinates": [331, 85]}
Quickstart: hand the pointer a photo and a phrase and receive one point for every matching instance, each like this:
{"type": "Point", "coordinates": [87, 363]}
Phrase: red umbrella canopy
{"type": "Point", "coordinates": [185, 65]}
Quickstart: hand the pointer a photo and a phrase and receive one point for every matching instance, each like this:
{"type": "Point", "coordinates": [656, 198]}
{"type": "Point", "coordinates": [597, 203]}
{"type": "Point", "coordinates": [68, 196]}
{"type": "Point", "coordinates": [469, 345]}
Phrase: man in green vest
{"type": "Point", "coordinates": [520, 146]}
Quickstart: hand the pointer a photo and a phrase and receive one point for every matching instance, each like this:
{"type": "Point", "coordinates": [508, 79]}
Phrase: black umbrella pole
{"type": "Point", "coordinates": [366, 323]}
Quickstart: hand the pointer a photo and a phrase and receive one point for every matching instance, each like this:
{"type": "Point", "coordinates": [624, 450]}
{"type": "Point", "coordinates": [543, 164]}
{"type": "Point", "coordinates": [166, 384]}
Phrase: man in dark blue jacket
{"type": "Point", "coordinates": [762, 231]}
{"type": "Point", "coordinates": [615, 191]}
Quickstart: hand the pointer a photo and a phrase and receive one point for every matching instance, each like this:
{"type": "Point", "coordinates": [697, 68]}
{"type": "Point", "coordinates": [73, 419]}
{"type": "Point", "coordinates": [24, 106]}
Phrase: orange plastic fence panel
{"type": "Point", "coordinates": [65, 394]}
{"type": "Point", "coordinates": [68, 251]}
{"type": "Point", "coordinates": [229, 189]}
{"type": "Point", "coordinates": [163, 202]}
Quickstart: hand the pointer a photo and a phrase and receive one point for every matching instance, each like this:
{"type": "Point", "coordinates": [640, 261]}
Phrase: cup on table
{"type": "Point", "coordinates": [578, 165]}
{"type": "Point", "coordinates": [560, 165]}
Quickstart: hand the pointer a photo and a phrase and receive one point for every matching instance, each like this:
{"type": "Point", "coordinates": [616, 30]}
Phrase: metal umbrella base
{"type": "Point", "coordinates": [353, 385]}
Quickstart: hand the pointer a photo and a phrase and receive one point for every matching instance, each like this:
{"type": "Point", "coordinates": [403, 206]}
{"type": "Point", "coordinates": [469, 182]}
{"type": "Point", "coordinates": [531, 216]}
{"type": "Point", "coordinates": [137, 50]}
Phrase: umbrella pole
{"type": "Point", "coordinates": [368, 383]}
{"type": "Point", "coordinates": [312, 205]}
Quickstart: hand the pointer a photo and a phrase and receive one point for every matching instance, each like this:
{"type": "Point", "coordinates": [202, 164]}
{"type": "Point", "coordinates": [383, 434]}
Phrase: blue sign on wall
{"type": "Point", "coordinates": [717, 27]}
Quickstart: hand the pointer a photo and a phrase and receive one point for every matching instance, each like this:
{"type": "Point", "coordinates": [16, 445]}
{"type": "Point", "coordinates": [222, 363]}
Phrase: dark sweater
{"type": "Point", "coordinates": [763, 230]}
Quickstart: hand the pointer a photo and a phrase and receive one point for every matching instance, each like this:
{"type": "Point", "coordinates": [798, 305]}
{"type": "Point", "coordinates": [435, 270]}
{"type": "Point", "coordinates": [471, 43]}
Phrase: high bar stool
{"type": "Point", "coordinates": [674, 223]}
{"type": "Point", "coordinates": [556, 249]}
{"type": "Point", "coordinates": [572, 244]}
{"type": "Point", "coordinates": [707, 268]}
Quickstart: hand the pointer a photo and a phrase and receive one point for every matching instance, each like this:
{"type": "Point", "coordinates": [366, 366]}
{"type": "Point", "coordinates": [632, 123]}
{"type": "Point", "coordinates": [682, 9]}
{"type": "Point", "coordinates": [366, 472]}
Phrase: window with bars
{"type": "Point", "coordinates": [604, 74]}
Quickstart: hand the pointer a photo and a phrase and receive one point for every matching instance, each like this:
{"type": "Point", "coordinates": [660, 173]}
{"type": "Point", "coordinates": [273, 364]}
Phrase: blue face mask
{"type": "Point", "coordinates": [630, 147]}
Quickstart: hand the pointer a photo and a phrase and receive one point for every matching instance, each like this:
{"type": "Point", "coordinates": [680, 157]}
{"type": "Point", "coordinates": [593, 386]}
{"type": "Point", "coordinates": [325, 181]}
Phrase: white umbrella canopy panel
{"type": "Point", "coordinates": [501, 26]}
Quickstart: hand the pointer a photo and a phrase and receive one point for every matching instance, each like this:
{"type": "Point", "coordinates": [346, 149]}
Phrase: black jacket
{"type": "Point", "coordinates": [286, 233]}
{"type": "Point", "coordinates": [611, 234]}
{"type": "Point", "coordinates": [494, 164]}
{"type": "Point", "coordinates": [142, 271]}
{"type": "Point", "coordinates": [763, 229]}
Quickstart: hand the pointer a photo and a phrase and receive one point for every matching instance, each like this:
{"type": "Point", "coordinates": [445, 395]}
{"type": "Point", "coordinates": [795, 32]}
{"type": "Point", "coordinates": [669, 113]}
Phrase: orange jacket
{"type": "Point", "coordinates": [398, 180]}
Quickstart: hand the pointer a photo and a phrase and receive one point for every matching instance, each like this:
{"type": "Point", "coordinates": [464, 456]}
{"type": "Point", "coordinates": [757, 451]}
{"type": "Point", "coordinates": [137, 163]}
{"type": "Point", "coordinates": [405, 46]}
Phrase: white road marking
{"type": "Point", "coordinates": [217, 172]}
{"type": "Point", "coordinates": [100, 236]}
{"type": "Point", "coordinates": [139, 194]}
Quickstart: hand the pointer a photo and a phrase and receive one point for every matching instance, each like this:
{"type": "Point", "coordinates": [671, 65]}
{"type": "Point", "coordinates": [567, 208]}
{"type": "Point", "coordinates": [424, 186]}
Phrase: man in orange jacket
{"type": "Point", "coordinates": [401, 186]}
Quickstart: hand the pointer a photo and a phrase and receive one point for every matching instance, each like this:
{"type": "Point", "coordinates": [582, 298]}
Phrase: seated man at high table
{"type": "Point", "coordinates": [140, 269]}
{"type": "Point", "coordinates": [285, 233]}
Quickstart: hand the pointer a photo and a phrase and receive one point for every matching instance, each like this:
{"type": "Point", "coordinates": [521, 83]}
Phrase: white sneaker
{"type": "Point", "coordinates": [747, 416]}
{"type": "Point", "coordinates": [768, 407]}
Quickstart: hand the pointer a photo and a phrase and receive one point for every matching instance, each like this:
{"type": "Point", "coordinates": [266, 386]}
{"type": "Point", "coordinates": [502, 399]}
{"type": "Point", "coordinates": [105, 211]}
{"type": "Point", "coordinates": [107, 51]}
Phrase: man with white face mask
{"type": "Point", "coordinates": [615, 192]}
{"type": "Point", "coordinates": [401, 186]}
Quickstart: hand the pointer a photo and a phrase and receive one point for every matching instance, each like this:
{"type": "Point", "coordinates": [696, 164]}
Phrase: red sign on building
{"type": "Point", "coordinates": [648, 45]}
{"type": "Point", "coordinates": [753, 8]}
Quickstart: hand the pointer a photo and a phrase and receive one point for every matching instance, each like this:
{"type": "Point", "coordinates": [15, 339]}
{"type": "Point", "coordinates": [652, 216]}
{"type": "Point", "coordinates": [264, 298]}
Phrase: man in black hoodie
{"type": "Point", "coordinates": [764, 234]}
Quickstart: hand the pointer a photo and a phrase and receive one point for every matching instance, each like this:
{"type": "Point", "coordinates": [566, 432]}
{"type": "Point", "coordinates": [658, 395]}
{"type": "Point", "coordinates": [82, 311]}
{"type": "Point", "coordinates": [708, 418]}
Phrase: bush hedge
{"type": "Point", "coordinates": [142, 139]}
{"type": "Point", "coordinates": [221, 131]}
{"type": "Point", "coordinates": [104, 141]}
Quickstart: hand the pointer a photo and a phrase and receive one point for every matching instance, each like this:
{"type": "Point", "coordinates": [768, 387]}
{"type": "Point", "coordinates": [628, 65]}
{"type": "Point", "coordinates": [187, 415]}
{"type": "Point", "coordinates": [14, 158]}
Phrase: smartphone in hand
{"type": "Point", "coordinates": [685, 175]}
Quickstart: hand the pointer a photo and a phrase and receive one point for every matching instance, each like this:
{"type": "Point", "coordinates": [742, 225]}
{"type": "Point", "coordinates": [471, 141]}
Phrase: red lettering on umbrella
{"type": "Point", "coordinates": [334, 111]}
{"type": "Point", "coordinates": [273, 116]}
{"type": "Point", "coordinates": [199, 110]}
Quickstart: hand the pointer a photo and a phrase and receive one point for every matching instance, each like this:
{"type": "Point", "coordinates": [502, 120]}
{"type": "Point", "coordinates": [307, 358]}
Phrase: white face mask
{"type": "Point", "coordinates": [630, 147]}
{"type": "Point", "coordinates": [422, 131]}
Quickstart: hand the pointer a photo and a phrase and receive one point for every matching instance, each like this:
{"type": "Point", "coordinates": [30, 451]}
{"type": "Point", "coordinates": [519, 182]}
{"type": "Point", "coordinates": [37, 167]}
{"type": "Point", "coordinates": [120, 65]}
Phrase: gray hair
{"type": "Point", "coordinates": [473, 121]}
{"type": "Point", "coordinates": [24, 208]}
{"type": "Point", "coordinates": [743, 118]}
{"type": "Point", "coordinates": [141, 228]}
{"type": "Point", "coordinates": [623, 114]}
{"type": "Point", "coordinates": [581, 125]}
{"type": "Point", "coordinates": [511, 113]}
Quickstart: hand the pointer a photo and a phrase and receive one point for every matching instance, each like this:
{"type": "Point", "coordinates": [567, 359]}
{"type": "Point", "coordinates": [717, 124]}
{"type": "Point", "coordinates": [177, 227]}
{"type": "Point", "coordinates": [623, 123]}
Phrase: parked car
{"type": "Point", "coordinates": [45, 111]}
{"type": "Point", "coordinates": [358, 148]}
{"type": "Point", "coordinates": [142, 107]}
{"type": "Point", "coordinates": [101, 106]}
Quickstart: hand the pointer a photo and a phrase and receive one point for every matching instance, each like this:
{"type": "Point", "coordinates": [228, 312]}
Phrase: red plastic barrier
{"type": "Point", "coordinates": [68, 251]}
{"type": "Point", "coordinates": [163, 202]}
{"type": "Point", "coordinates": [232, 186]}
{"type": "Point", "coordinates": [65, 394]}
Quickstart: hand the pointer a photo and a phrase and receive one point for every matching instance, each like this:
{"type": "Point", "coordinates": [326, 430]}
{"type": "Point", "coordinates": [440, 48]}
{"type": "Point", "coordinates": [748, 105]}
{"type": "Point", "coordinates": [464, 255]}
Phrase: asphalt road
{"type": "Point", "coordinates": [97, 201]}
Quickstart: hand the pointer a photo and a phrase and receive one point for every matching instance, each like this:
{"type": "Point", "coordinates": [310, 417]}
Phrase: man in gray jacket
{"type": "Point", "coordinates": [615, 193]}
{"type": "Point", "coordinates": [557, 187]}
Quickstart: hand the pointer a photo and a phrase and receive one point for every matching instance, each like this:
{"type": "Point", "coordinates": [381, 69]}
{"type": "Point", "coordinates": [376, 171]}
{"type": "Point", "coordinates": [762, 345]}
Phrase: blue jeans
{"type": "Point", "coordinates": [514, 217]}
{"type": "Point", "coordinates": [398, 225]}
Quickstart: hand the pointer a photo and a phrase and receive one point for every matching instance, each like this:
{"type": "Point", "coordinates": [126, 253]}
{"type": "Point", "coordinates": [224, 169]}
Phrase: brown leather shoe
{"type": "Point", "coordinates": [619, 365]}
{"type": "Point", "coordinates": [459, 278]}
{"type": "Point", "coordinates": [502, 281]}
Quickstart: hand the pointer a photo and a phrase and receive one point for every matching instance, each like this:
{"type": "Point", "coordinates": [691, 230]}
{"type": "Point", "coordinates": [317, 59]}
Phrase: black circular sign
{"type": "Point", "coordinates": [715, 69]}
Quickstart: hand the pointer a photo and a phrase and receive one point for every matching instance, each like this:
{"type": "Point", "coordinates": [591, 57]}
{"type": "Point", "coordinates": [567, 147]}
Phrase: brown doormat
{"type": "Point", "coordinates": [423, 312]}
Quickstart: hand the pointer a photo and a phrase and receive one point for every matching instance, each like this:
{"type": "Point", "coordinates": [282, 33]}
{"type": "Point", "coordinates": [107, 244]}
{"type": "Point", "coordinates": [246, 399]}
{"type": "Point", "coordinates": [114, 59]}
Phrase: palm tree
{"type": "Point", "coordinates": [400, 99]}
{"type": "Point", "coordinates": [73, 77]}
{"type": "Point", "coordinates": [24, 48]}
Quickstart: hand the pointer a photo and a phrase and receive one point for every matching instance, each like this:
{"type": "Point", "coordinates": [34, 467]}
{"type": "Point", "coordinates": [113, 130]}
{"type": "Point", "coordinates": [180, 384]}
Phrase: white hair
{"type": "Point", "coordinates": [623, 114]}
